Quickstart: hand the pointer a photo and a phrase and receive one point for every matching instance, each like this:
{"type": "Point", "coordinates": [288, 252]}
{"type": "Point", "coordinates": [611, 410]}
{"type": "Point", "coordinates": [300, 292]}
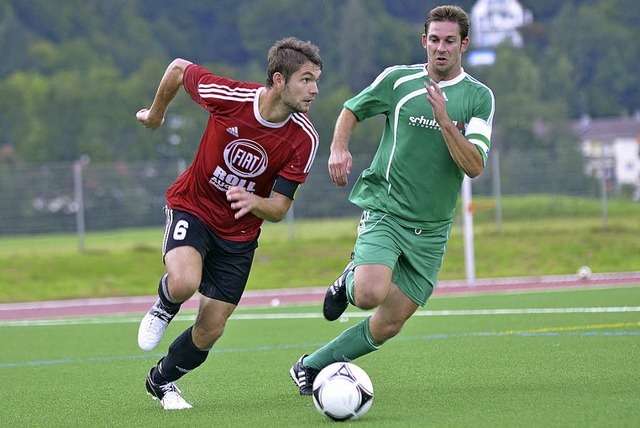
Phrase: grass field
{"type": "Point", "coordinates": [540, 235]}
{"type": "Point", "coordinates": [564, 358]}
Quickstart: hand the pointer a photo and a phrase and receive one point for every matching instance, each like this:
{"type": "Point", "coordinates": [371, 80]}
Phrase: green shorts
{"type": "Point", "coordinates": [414, 255]}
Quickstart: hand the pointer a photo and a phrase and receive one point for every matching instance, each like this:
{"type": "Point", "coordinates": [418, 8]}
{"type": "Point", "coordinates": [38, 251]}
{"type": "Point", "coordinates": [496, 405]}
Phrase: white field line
{"type": "Point", "coordinates": [305, 315]}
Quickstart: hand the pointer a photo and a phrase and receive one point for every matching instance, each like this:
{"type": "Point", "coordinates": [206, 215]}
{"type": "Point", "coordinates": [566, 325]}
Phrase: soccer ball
{"type": "Point", "coordinates": [342, 391]}
{"type": "Point", "coordinates": [584, 272]}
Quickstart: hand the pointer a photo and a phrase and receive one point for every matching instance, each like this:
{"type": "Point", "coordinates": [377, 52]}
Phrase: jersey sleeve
{"type": "Point", "coordinates": [373, 100]}
{"type": "Point", "coordinates": [215, 93]}
{"type": "Point", "coordinates": [480, 126]}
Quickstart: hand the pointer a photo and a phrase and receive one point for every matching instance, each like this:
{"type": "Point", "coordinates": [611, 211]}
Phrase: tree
{"type": "Point", "coordinates": [358, 43]}
{"type": "Point", "coordinates": [22, 96]}
{"type": "Point", "coordinates": [74, 72]}
{"type": "Point", "coordinates": [604, 58]}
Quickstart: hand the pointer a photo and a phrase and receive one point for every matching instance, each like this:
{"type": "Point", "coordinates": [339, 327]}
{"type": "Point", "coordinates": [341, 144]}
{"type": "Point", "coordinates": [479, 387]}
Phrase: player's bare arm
{"type": "Point", "coordinates": [340, 160]}
{"type": "Point", "coordinates": [272, 209]}
{"type": "Point", "coordinates": [463, 152]}
{"type": "Point", "coordinates": [168, 88]}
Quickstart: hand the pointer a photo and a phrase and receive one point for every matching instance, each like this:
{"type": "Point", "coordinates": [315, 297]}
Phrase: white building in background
{"type": "Point", "coordinates": [612, 143]}
{"type": "Point", "coordinates": [497, 21]}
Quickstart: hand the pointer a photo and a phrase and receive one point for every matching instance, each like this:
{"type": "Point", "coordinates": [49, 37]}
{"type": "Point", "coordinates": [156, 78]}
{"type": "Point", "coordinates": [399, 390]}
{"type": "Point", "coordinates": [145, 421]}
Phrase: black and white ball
{"type": "Point", "coordinates": [342, 391]}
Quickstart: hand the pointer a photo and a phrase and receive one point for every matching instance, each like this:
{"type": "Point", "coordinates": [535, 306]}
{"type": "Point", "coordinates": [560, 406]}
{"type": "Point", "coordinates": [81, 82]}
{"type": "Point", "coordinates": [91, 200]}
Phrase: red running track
{"type": "Point", "coordinates": [140, 305]}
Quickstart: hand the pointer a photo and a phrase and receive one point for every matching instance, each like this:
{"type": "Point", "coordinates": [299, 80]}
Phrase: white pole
{"type": "Point", "coordinates": [79, 196]}
{"type": "Point", "coordinates": [603, 187]}
{"type": "Point", "coordinates": [290, 218]}
{"type": "Point", "coordinates": [467, 216]}
{"type": "Point", "coordinates": [497, 192]}
{"type": "Point", "coordinates": [182, 165]}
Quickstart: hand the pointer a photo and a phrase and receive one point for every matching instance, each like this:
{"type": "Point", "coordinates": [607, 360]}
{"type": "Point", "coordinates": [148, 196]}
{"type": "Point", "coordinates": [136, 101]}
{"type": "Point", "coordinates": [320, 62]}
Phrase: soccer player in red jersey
{"type": "Point", "coordinates": [256, 150]}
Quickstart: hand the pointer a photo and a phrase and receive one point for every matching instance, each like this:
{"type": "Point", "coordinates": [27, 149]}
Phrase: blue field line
{"type": "Point", "coordinates": [316, 345]}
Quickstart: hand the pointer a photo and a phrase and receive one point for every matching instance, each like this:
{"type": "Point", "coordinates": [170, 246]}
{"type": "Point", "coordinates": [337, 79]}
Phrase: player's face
{"type": "Point", "coordinates": [301, 88]}
{"type": "Point", "coordinates": [444, 49]}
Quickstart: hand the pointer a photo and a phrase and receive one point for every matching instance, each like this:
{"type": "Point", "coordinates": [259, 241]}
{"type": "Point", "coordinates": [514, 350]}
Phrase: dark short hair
{"type": "Point", "coordinates": [286, 56]}
{"type": "Point", "coordinates": [449, 14]}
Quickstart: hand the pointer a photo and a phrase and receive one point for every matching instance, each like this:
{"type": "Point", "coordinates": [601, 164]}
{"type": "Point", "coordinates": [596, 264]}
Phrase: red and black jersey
{"type": "Point", "coordinates": [238, 148]}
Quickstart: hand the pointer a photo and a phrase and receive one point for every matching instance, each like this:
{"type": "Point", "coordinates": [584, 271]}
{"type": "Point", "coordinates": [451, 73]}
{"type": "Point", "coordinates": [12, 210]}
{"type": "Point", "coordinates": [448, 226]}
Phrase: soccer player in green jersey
{"type": "Point", "coordinates": [438, 128]}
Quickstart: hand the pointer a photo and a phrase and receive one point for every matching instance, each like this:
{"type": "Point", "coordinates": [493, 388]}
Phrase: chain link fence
{"type": "Point", "coordinates": [45, 198]}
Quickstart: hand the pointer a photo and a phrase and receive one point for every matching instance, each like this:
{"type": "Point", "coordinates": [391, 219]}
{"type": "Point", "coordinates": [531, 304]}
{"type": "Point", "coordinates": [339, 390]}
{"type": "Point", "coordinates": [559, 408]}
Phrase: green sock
{"type": "Point", "coordinates": [352, 343]}
{"type": "Point", "coordinates": [350, 292]}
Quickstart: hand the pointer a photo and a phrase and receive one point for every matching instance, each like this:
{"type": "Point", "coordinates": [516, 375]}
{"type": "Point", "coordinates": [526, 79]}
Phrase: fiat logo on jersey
{"type": "Point", "coordinates": [246, 158]}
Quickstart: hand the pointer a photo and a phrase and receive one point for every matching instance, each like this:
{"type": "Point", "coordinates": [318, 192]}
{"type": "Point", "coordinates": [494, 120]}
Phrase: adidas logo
{"type": "Point", "coordinates": [233, 131]}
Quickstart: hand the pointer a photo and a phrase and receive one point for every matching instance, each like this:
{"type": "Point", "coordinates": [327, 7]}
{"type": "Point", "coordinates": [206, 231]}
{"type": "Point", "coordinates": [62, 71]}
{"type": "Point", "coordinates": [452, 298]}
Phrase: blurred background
{"type": "Point", "coordinates": [74, 72]}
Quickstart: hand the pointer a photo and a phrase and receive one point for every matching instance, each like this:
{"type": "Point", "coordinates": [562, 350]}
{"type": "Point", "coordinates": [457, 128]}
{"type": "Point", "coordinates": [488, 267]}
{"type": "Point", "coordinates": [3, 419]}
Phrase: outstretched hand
{"type": "Point", "coordinates": [150, 122]}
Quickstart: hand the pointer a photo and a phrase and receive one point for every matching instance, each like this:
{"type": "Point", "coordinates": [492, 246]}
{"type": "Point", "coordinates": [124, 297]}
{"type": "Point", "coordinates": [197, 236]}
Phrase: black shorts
{"type": "Point", "coordinates": [225, 264]}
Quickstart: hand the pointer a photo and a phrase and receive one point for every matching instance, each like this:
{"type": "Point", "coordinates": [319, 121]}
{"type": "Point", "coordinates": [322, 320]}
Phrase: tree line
{"type": "Point", "coordinates": [74, 72]}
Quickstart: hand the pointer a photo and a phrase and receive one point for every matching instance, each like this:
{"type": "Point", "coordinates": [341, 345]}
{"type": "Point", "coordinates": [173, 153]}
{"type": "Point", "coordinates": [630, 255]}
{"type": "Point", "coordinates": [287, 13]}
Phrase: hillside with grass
{"type": "Point", "coordinates": [539, 235]}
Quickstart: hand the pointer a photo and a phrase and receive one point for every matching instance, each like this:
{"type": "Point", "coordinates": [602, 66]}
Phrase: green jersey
{"type": "Point", "coordinates": [412, 176]}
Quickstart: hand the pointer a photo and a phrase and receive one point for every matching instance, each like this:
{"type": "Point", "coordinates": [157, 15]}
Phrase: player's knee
{"type": "Point", "coordinates": [368, 298]}
{"type": "Point", "coordinates": [182, 286]}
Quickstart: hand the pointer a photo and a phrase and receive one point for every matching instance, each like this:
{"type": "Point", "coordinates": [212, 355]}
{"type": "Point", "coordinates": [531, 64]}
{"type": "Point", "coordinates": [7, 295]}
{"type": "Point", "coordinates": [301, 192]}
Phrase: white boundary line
{"type": "Point", "coordinates": [110, 319]}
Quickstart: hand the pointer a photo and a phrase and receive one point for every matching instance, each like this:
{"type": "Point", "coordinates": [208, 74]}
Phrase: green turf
{"type": "Point", "coordinates": [462, 367]}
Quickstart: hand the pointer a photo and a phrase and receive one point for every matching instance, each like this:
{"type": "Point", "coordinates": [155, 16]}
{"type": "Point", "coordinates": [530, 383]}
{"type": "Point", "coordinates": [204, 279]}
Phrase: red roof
{"type": "Point", "coordinates": [608, 128]}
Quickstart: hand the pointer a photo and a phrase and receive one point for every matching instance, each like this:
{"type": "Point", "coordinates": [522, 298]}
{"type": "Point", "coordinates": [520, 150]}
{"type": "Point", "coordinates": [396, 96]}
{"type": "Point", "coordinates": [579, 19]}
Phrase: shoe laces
{"type": "Point", "coordinates": [171, 399]}
{"type": "Point", "coordinates": [169, 387]}
{"type": "Point", "coordinates": [159, 322]}
{"type": "Point", "coordinates": [159, 312]}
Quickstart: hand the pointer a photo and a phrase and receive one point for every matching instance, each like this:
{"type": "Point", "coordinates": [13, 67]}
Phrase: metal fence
{"type": "Point", "coordinates": [47, 197]}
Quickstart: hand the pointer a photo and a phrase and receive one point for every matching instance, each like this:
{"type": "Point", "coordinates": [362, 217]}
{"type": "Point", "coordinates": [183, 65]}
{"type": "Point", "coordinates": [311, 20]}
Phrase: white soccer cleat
{"type": "Point", "coordinates": [168, 394]}
{"type": "Point", "coordinates": [153, 326]}
{"type": "Point", "coordinates": [173, 401]}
